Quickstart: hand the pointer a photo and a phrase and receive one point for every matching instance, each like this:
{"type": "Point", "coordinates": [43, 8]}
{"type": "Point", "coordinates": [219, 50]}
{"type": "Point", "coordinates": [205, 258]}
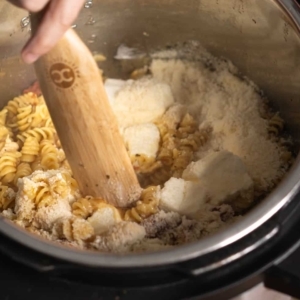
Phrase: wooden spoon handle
{"type": "Point", "coordinates": [87, 128]}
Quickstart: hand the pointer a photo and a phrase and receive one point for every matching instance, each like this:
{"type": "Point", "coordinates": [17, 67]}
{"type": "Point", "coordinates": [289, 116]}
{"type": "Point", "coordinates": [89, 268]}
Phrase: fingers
{"type": "Point", "coordinates": [57, 20]}
{"type": "Point", "coordinates": [30, 5]}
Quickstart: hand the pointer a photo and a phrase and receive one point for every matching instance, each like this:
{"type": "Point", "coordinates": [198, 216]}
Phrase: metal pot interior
{"type": "Point", "coordinates": [259, 36]}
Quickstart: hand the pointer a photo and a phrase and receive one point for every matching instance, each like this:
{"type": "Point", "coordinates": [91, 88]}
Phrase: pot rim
{"type": "Point", "coordinates": [283, 194]}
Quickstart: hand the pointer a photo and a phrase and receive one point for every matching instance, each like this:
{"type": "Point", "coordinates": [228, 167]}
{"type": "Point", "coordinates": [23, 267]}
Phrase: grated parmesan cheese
{"type": "Point", "coordinates": [230, 106]}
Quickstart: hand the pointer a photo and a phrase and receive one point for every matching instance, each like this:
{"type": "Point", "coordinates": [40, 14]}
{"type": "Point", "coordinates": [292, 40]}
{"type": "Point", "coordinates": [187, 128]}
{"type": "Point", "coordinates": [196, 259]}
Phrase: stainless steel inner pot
{"type": "Point", "coordinates": [261, 37]}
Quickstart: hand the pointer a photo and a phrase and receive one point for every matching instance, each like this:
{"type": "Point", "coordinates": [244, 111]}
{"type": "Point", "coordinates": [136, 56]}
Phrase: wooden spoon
{"type": "Point", "coordinates": [87, 128]}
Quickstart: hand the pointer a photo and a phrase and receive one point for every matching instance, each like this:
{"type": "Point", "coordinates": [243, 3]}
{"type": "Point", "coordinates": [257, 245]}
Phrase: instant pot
{"type": "Point", "coordinates": [262, 39]}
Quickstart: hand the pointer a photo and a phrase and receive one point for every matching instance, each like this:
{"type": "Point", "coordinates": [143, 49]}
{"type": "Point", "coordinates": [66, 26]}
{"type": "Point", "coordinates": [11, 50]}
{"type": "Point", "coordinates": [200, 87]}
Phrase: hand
{"type": "Point", "coordinates": [58, 18]}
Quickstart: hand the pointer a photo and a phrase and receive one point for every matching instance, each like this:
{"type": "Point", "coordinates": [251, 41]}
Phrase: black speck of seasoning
{"type": "Point", "coordinates": [97, 184]}
{"type": "Point", "coordinates": [86, 185]}
{"type": "Point", "coordinates": [107, 176]}
{"type": "Point", "coordinates": [137, 155]}
{"type": "Point", "coordinates": [254, 21]}
{"type": "Point", "coordinates": [0, 189]}
{"type": "Point", "coordinates": [81, 165]}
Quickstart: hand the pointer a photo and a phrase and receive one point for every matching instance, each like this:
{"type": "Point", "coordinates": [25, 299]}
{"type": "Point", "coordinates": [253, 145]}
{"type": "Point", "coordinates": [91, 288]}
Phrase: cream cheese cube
{"type": "Point", "coordinates": [104, 218]}
{"type": "Point", "coordinates": [184, 197]}
{"type": "Point", "coordinates": [112, 86]}
{"type": "Point", "coordinates": [141, 101]}
{"type": "Point", "coordinates": [142, 139]}
{"type": "Point", "coordinates": [221, 174]}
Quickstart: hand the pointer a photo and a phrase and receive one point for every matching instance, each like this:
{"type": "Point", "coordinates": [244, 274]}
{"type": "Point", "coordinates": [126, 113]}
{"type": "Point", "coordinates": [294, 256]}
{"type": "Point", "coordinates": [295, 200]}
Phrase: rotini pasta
{"type": "Point", "coordinates": [157, 177]}
{"type": "Point", "coordinates": [42, 196]}
{"type": "Point", "coordinates": [36, 165]}
{"type": "Point", "coordinates": [147, 206]}
{"type": "Point", "coordinates": [30, 150]}
{"type": "Point", "coordinates": [61, 188]}
{"type": "Point", "coordinates": [67, 176]}
{"type": "Point", "coordinates": [3, 114]}
{"type": "Point", "coordinates": [176, 152]}
{"type": "Point", "coordinates": [49, 156]}
{"type": "Point", "coordinates": [83, 207]}
{"type": "Point", "coordinates": [276, 124]}
{"type": "Point", "coordinates": [142, 163]}
{"type": "Point", "coordinates": [24, 118]}
{"type": "Point", "coordinates": [23, 170]}
{"type": "Point", "coordinates": [73, 229]}
{"type": "Point", "coordinates": [43, 133]}
{"type": "Point", "coordinates": [21, 101]}
{"type": "Point", "coordinates": [7, 197]}
{"type": "Point", "coordinates": [27, 112]}
{"type": "Point", "coordinates": [8, 166]}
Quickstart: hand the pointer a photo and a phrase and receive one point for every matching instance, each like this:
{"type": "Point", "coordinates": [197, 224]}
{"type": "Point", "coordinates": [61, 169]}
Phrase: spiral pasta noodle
{"type": "Point", "coordinates": [182, 158]}
{"type": "Point", "coordinates": [144, 208]}
{"type": "Point", "coordinates": [157, 177]}
{"type": "Point", "coordinates": [142, 163]}
{"type": "Point", "coordinates": [36, 164]}
{"type": "Point", "coordinates": [30, 150]}
{"type": "Point", "coordinates": [42, 196]}
{"type": "Point", "coordinates": [4, 135]}
{"type": "Point", "coordinates": [165, 156]}
{"type": "Point", "coordinates": [41, 117]}
{"type": "Point", "coordinates": [3, 114]}
{"type": "Point", "coordinates": [62, 188]}
{"type": "Point", "coordinates": [70, 180]}
{"type": "Point", "coordinates": [176, 152]}
{"type": "Point", "coordinates": [276, 124]}
{"type": "Point", "coordinates": [73, 229]}
{"type": "Point", "coordinates": [42, 133]}
{"type": "Point", "coordinates": [24, 118]}
{"type": "Point", "coordinates": [27, 112]}
{"type": "Point", "coordinates": [49, 157]}
{"type": "Point", "coordinates": [7, 198]}
{"type": "Point", "coordinates": [83, 207]}
{"type": "Point", "coordinates": [23, 170]}
{"type": "Point", "coordinates": [21, 101]}
{"type": "Point", "coordinates": [8, 166]}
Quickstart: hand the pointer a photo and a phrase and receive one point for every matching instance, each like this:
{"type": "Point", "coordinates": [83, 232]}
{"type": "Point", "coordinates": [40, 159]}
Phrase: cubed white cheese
{"type": "Point", "coordinates": [120, 237]}
{"type": "Point", "coordinates": [104, 218]}
{"type": "Point", "coordinates": [184, 197]}
{"type": "Point", "coordinates": [142, 139]}
{"type": "Point", "coordinates": [141, 101]}
{"type": "Point", "coordinates": [221, 174]}
{"type": "Point", "coordinates": [112, 86]}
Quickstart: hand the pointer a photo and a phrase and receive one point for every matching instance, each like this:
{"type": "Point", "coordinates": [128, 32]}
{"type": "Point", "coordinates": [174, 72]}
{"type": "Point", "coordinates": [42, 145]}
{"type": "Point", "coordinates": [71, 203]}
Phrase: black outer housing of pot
{"type": "Point", "coordinates": [220, 275]}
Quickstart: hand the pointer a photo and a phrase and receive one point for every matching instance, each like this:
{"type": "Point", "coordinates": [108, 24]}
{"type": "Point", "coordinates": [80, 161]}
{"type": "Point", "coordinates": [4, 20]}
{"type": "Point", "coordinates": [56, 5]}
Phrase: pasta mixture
{"type": "Point", "coordinates": [204, 143]}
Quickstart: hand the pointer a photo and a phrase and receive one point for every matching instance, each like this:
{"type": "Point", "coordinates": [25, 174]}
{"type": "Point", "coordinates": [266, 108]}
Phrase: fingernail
{"type": "Point", "coordinates": [29, 58]}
